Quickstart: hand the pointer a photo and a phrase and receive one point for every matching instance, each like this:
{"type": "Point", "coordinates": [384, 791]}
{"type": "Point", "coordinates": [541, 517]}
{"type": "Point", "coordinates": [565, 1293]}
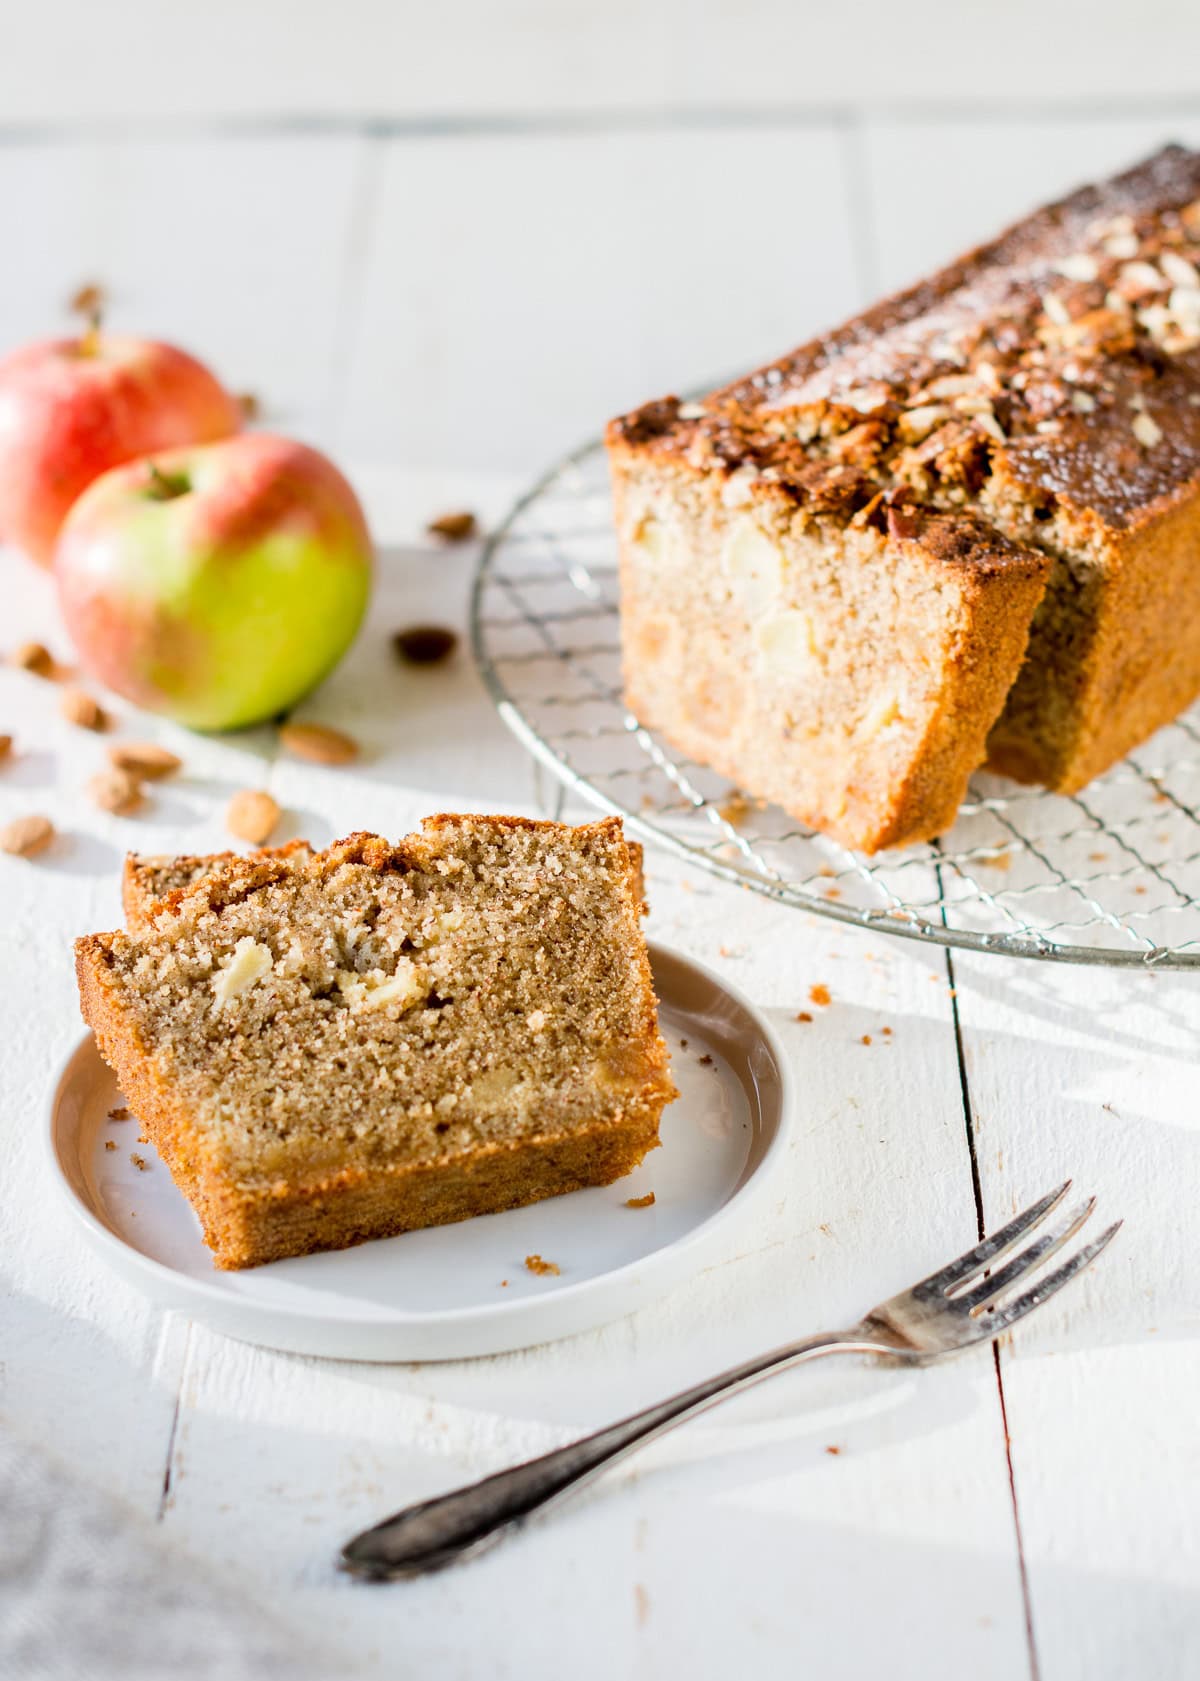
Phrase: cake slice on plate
{"type": "Point", "coordinates": [334, 1046]}
{"type": "Point", "coordinates": [146, 880]}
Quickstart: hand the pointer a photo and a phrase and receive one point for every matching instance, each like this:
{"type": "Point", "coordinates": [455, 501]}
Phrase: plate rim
{"type": "Point", "coordinates": [165, 1280]}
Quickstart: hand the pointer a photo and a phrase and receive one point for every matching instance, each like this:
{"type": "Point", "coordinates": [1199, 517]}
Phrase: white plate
{"type": "Point", "coordinates": [464, 1289]}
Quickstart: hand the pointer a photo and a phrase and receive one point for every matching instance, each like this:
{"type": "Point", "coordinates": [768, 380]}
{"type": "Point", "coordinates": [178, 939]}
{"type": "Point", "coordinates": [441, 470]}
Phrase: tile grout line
{"type": "Point", "coordinates": [980, 1226]}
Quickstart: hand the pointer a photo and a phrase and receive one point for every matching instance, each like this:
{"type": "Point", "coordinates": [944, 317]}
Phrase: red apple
{"type": "Point", "coordinates": [215, 585]}
{"type": "Point", "coordinates": [72, 408]}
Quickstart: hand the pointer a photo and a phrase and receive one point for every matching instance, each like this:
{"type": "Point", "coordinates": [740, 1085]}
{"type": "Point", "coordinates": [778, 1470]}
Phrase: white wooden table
{"type": "Point", "coordinates": [1032, 1513]}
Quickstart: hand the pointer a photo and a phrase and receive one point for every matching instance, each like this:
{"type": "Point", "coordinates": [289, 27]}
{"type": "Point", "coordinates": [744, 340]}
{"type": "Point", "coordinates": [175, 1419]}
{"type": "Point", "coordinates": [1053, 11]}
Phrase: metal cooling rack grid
{"type": "Point", "coordinates": [1109, 876]}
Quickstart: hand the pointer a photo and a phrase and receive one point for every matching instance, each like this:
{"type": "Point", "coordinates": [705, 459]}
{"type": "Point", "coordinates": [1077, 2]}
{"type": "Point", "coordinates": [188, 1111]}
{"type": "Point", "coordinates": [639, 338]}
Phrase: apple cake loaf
{"type": "Point", "coordinates": [962, 525]}
{"type": "Point", "coordinates": [333, 1046]}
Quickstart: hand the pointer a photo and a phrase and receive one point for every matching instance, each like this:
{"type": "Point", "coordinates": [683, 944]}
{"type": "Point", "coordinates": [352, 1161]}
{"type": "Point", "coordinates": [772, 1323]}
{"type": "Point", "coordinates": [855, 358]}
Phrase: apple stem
{"type": "Point", "coordinates": [89, 343]}
{"type": "Point", "coordinates": [165, 487]}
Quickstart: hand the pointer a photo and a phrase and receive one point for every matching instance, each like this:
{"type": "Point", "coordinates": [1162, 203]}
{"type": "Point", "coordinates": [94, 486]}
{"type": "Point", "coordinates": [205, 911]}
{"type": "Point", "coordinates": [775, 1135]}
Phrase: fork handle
{"type": "Point", "coordinates": [436, 1532]}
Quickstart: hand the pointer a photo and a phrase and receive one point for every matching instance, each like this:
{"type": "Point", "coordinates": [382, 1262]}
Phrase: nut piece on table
{"type": "Point", "coordinates": [425, 644]}
{"type": "Point", "coordinates": [5, 747]}
{"type": "Point", "coordinates": [34, 657]}
{"type": "Point", "coordinates": [78, 707]}
{"type": "Point", "coordinates": [252, 816]}
{"type": "Point", "coordinates": [319, 744]}
{"type": "Point", "coordinates": [144, 759]}
{"type": "Point", "coordinates": [116, 791]}
{"type": "Point", "coordinates": [26, 835]}
{"type": "Point", "coordinates": [455, 528]}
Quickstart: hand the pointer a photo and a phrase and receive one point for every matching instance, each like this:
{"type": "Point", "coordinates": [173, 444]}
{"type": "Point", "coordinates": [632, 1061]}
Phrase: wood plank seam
{"type": "Point", "coordinates": [981, 1232]}
{"type": "Point", "coordinates": [164, 1497]}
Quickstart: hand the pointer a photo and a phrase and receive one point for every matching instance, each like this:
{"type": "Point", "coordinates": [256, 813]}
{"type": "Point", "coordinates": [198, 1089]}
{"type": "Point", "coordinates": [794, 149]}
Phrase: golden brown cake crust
{"type": "Point", "coordinates": [1042, 347]}
{"type": "Point", "coordinates": [252, 1218]}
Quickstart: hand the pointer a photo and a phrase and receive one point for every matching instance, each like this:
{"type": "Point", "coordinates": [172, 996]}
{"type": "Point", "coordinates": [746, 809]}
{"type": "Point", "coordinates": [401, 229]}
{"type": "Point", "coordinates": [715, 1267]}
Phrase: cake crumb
{"type": "Point", "coordinates": [683, 1044]}
{"type": "Point", "coordinates": [138, 1161]}
{"type": "Point", "coordinates": [641, 1202]}
{"type": "Point", "coordinates": [110, 1144]}
{"type": "Point", "coordinates": [504, 1284]}
{"type": "Point", "coordinates": [535, 1264]}
{"type": "Point", "coordinates": [833, 1448]}
{"type": "Point", "coordinates": [121, 1114]}
{"type": "Point", "coordinates": [866, 1039]}
{"type": "Point", "coordinates": [803, 1015]}
{"type": "Point", "coordinates": [886, 1031]}
{"type": "Point", "coordinates": [705, 1061]}
{"type": "Point", "coordinates": [819, 994]}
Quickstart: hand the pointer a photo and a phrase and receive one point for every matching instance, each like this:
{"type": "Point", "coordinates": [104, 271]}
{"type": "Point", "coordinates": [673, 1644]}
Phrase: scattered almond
{"type": "Point", "coordinates": [425, 644]}
{"type": "Point", "coordinates": [32, 656]}
{"type": "Point", "coordinates": [455, 528]}
{"type": "Point", "coordinates": [116, 791]}
{"type": "Point", "coordinates": [535, 1264]}
{"type": "Point", "coordinates": [252, 816]}
{"type": "Point", "coordinates": [26, 835]}
{"type": "Point", "coordinates": [5, 747]}
{"type": "Point", "coordinates": [145, 759]}
{"type": "Point", "coordinates": [78, 707]}
{"type": "Point", "coordinates": [319, 743]}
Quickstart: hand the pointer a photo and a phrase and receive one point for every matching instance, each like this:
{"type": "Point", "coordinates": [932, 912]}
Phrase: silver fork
{"type": "Point", "coordinates": [950, 1310]}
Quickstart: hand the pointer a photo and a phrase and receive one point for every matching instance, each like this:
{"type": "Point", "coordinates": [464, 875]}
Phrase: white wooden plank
{"type": "Point", "coordinates": [936, 188]}
{"type": "Point", "coordinates": [1092, 1073]}
{"type": "Point", "coordinates": [519, 291]}
{"type": "Point", "coordinates": [135, 58]}
{"type": "Point", "coordinates": [235, 248]}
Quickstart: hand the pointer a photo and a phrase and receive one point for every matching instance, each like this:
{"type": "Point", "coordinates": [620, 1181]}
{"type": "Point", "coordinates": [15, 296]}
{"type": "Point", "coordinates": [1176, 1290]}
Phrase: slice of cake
{"type": "Point", "coordinates": [338, 1046]}
{"type": "Point", "coordinates": [830, 569]}
{"type": "Point", "coordinates": [144, 881]}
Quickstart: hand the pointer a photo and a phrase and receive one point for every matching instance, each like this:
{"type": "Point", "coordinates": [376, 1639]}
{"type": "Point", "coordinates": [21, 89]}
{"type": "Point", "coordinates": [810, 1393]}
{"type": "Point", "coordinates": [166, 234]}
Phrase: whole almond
{"type": "Point", "coordinates": [455, 528]}
{"type": "Point", "coordinates": [319, 743]}
{"type": "Point", "coordinates": [145, 759]}
{"type": "Point", "coordinates": [425, 644]}
{"type": "Point", "coordinates": [33, 656]}
{"type": "Point", "coordinates": [252, 816]}
{"type": "Point", "coordinates": [116, 791]}
{"type": "Point", "coordinates": [78, 707]}
{"type": "Point", "coordinates": [26, 835]}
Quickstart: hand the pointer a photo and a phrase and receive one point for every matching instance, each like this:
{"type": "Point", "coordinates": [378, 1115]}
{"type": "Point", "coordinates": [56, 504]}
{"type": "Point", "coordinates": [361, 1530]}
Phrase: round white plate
{"type": "Point", "coordinates": [461, 1290]}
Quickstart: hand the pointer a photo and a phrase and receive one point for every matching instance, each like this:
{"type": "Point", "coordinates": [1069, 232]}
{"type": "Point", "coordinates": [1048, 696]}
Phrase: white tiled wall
{"type": "Point", "coordinates": [469, 233]}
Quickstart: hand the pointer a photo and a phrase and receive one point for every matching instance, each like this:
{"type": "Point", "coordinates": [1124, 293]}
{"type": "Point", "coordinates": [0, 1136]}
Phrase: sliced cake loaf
{"type": "Point", "coordinates": [380, 1037]}
{"type": "Point", "coordinates": [830, 569]}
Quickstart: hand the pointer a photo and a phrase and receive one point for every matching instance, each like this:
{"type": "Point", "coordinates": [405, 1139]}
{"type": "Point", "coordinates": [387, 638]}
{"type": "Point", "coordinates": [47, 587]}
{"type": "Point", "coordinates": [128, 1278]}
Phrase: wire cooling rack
{"type": "Point", "coordinates": [1108, 876]}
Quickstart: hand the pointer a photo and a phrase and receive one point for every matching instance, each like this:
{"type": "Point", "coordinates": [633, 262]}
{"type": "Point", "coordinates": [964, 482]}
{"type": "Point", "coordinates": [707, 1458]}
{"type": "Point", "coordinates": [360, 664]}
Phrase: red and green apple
{"type": "Point", "coordinates": [72, 408]}
{"type": "Point", "coordinates": [216, 585]}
